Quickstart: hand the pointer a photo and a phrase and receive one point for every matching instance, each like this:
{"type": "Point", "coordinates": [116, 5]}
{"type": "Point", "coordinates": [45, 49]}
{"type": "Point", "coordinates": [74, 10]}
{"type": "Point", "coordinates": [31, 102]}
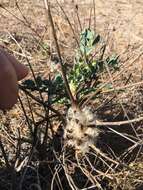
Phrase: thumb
{"type": "Point", "coordinates": [20, 69]}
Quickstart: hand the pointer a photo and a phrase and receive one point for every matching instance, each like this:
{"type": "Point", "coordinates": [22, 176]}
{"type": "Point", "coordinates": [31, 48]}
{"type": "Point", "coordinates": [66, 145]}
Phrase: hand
{"type": "Point", "coordinates": [10, 73]}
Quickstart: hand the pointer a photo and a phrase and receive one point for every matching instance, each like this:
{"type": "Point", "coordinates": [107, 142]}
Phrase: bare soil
{"type": "Point", "coordinates": [121, 21]}
{"type": "Point", "coordinates": [25, 26]}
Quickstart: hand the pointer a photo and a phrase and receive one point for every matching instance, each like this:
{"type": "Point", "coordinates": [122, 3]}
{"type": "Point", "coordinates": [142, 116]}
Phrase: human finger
{"type": "Point", "coordinates": [8, 83]}
{"type": "Point", "coordinates": [20, 69]}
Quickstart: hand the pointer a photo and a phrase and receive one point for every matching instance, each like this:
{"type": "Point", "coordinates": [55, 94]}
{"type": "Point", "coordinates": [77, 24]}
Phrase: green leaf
{"type": "Point", "coordinates": [96, 40]}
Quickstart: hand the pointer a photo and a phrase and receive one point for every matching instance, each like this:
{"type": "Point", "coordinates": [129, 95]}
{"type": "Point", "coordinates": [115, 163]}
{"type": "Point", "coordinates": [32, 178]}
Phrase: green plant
{"type": "Point", "coordinates": [87, 68]}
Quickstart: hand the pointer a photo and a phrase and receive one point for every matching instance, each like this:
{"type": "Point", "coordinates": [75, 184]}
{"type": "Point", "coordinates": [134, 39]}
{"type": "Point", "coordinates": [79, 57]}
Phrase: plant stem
{"type": "Point", "coordinates": [73, 101]}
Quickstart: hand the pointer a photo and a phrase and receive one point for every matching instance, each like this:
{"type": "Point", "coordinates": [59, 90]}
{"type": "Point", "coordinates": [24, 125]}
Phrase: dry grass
{"type": "Point", "coordinates": [33, 154]}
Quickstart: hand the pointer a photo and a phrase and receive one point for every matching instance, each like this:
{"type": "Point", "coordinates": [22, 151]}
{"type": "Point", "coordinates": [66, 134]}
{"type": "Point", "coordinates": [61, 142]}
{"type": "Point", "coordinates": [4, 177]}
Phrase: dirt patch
{"type": "Point", "coordinates": [121, 21]}
{"type": "Point", "coordinates": [122, 18]}
{"type": "Point", "coordinates": [25, 31]}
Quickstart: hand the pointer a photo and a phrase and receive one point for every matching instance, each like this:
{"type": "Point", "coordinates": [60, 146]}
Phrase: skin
{"type": "Point", "coordinates": [11, 71]}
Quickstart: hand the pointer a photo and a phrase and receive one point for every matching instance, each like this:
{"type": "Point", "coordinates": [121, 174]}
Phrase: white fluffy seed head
{"type": "Point", "coordinates": [81, 131]}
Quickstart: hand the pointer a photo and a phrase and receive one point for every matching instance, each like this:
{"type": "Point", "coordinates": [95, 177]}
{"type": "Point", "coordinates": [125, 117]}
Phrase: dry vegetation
{"type": "Point", "coordinates": [34, 155]}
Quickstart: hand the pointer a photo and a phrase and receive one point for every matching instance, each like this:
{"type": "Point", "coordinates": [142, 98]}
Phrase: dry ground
{"type": "Point", "coordinates": [123, 20]}
{"type": "Point", "coordinates": [120, 22]}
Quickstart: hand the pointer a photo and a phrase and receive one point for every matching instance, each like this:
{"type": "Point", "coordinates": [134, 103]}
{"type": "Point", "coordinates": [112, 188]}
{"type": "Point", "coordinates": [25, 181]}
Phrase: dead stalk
{"type": "Point", "coordinates": [50, 18]}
